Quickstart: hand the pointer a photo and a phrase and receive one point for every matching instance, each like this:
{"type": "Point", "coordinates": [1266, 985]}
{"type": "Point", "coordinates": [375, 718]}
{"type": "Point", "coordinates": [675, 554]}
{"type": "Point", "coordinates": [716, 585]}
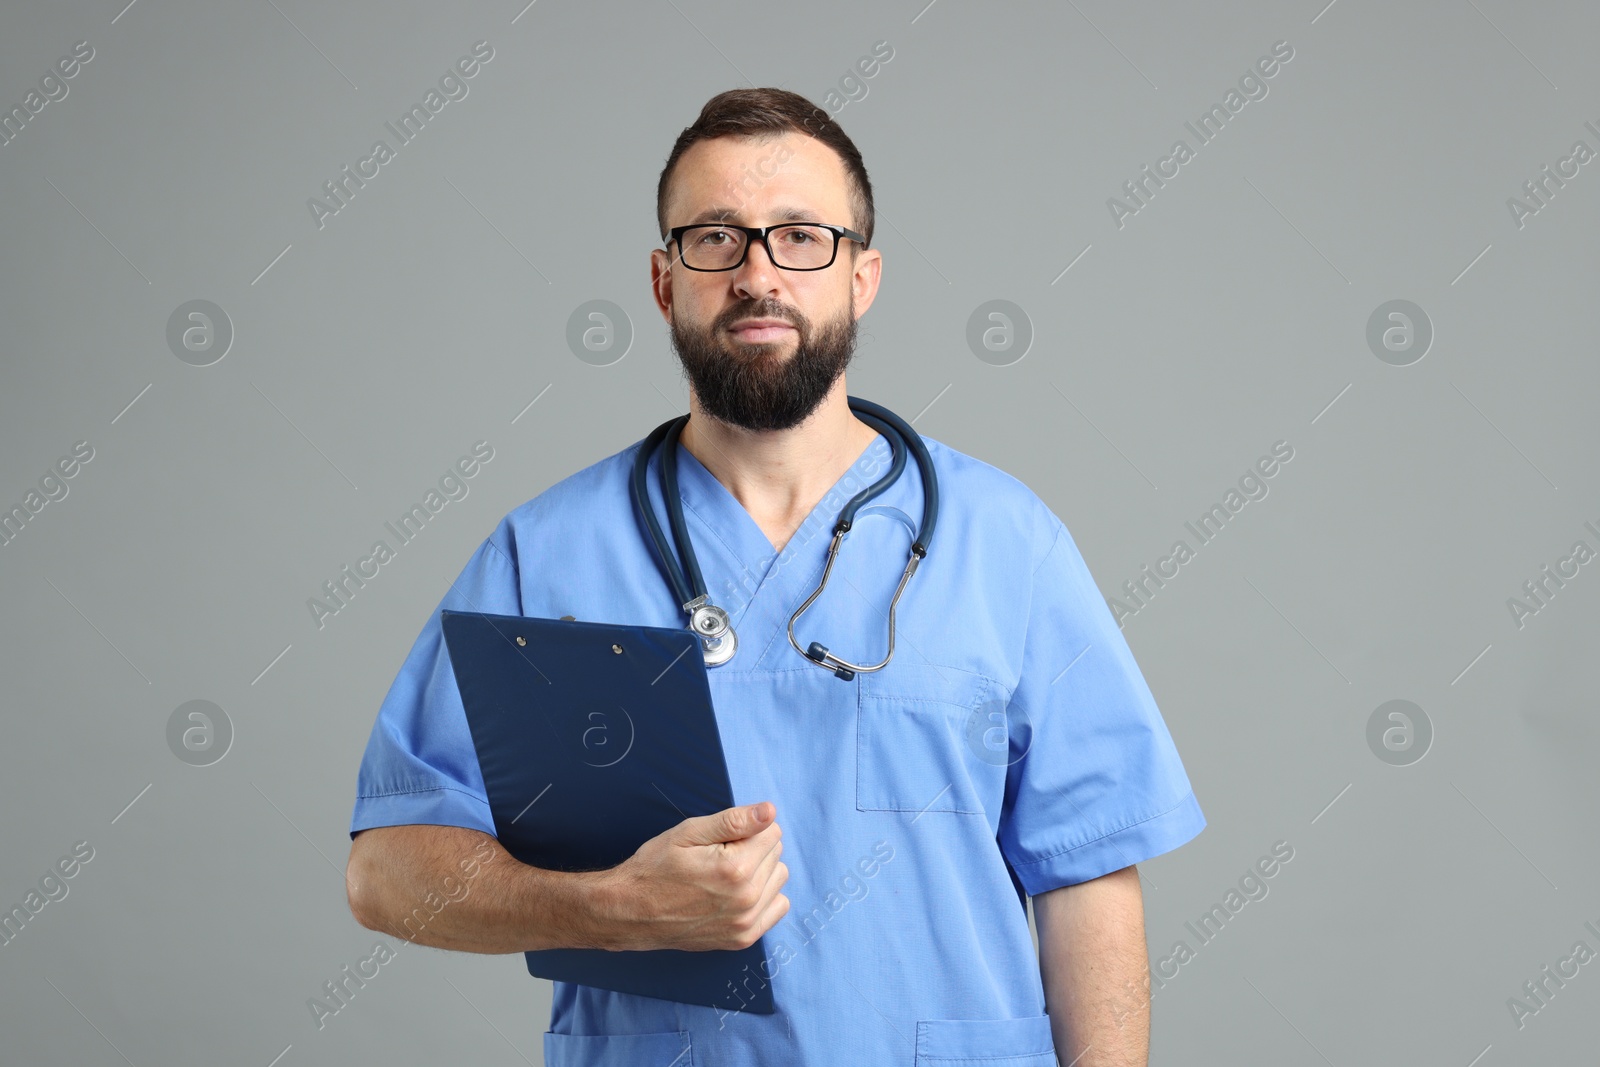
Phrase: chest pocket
{"type": "Point", "coordinates": [925, 737]}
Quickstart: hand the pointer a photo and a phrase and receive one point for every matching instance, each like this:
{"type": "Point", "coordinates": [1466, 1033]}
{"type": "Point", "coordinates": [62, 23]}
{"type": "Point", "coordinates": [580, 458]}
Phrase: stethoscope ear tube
{"type": "Point", "coordinates": [900, 435]}
{"type": "Point", "coordinates": [818, 652]}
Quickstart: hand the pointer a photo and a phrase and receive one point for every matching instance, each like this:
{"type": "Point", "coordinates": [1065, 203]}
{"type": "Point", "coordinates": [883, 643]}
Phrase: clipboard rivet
{"type": "Point", "coordinates": [521, 640]}
{"type": "Point", "coordinates": [617, 649]}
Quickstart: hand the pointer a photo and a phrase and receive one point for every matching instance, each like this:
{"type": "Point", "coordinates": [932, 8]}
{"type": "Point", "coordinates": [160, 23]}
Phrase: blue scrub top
{"type": "Point", "coordinates": [1011, 747]}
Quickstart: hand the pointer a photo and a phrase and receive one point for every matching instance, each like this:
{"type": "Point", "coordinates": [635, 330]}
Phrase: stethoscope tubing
{"type": "Point", "coordinates": [687, 581]}
{"type": "Point", "coordinates": [641, 500]}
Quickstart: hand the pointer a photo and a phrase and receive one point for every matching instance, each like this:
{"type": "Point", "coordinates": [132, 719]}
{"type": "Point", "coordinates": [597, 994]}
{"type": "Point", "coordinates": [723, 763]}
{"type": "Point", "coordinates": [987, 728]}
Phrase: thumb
{"type": "Point", "coordinates": [730, 824]}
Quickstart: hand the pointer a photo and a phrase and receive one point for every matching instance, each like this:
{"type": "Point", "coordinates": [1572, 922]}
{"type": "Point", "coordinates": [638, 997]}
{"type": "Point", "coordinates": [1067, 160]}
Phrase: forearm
{"type": "Point", "coordinates": [1095, 967]}
{"type": "Point", "coordinates": [456, 888]}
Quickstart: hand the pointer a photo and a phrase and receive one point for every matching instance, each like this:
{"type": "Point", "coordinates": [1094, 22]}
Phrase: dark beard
{"type": "Point", "coordinates": [755, 386]}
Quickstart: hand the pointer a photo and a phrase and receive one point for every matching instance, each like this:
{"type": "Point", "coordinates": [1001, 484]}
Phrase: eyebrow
{"type": "Point", "coordinates": [720, 213]}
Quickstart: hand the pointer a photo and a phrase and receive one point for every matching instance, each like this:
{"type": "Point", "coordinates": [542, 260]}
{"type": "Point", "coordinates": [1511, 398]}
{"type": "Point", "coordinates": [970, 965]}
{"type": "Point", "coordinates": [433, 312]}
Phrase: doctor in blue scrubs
{"type": "Point", "coordinates": [891, 826]}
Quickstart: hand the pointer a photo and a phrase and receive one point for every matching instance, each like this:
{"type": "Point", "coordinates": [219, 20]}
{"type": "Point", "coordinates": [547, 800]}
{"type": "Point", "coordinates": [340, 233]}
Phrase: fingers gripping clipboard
{"type": "Point", "coordinates": [592, 739]}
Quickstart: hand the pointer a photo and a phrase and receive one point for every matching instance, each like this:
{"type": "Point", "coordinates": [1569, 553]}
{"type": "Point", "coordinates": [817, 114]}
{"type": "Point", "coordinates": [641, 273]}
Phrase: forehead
{"type": "Point", "coordinates": [754, 181]}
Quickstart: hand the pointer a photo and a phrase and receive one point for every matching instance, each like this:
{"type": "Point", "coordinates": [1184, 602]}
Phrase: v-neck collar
{"type": "Point", "coordinates": [727, 520]}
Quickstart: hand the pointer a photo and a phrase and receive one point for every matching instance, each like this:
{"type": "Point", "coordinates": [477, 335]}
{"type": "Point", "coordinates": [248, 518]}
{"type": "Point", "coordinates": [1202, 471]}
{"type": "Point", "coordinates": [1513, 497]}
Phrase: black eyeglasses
{"type": "Point", "coordinates": [790, 246]}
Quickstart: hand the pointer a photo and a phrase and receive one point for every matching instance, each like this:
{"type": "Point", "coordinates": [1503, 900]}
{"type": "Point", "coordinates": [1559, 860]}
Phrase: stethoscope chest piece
{"type": "Point", "coordinates": [710, 623]}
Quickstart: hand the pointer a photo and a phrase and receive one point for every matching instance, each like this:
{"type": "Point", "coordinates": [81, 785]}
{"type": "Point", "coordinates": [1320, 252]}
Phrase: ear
{"type": "Point", "coordinates": [661, 281]}
{"type": "Point", "coordinates": [864, 280]}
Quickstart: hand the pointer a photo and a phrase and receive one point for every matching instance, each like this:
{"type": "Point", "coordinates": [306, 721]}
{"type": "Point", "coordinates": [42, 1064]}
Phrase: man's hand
{"type": "Point", "coordinates": [710, 882]}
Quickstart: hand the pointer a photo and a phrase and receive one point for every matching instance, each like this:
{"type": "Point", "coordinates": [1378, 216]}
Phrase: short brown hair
{"type": "Point", "coordinates": [766, 112]}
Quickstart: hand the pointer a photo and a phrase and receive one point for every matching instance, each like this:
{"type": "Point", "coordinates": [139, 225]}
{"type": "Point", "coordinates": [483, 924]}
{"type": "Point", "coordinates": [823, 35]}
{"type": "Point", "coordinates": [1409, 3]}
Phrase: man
{"type": "Point", "coordinates": [1010, 748]}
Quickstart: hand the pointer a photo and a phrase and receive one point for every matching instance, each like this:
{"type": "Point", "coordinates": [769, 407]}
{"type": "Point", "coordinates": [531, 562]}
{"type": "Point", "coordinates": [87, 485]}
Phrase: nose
{"type": "Point", "coordinates": [757, 274]}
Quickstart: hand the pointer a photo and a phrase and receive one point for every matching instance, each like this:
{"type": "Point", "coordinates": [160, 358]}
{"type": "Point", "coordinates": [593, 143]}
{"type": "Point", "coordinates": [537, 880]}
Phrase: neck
{"type": "Point", "coordinates": [779, 475]}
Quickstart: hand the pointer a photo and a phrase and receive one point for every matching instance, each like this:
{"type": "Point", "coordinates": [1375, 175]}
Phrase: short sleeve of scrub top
{"type": "Point", "coordinates": [1095, 783]}
{"type": "Point", "coordinates": [420, 765]}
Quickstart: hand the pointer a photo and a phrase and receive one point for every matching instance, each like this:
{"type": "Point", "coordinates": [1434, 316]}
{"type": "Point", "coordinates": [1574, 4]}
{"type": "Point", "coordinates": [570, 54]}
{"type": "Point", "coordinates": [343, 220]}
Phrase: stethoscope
{"type": "Point", "coordinates": [709, 622]}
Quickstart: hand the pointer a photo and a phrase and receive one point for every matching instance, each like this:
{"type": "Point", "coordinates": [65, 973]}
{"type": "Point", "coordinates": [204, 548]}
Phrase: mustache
{"type": "Point", "coordinates": [761, 311]}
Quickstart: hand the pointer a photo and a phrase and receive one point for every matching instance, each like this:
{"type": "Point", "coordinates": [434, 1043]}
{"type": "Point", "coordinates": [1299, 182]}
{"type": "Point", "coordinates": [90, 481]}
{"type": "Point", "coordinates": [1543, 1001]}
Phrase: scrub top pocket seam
{"type": "Point", "coordinates": [1016, 1042]}
{"type": "Point", "coordinates": [910, 728]}
{"type": "Point", "coordinates": [638, 1050]}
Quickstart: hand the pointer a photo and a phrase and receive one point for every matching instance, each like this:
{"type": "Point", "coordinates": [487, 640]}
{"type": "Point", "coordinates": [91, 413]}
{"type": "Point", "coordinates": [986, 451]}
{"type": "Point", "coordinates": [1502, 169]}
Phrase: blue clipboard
{"type": "Point", "coordinates": [594, 738]}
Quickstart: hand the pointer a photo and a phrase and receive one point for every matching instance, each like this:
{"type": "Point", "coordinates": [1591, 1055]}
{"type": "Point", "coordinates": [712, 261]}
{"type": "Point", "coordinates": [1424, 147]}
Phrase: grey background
{"type": "Point", "coordinates": [1228, 314]}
